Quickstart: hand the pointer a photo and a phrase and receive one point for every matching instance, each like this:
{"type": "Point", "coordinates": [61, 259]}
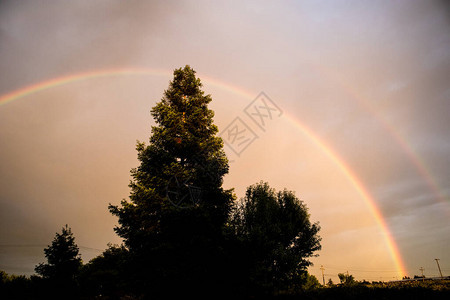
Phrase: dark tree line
{"type": "Point", "coordinates": [183, 233]}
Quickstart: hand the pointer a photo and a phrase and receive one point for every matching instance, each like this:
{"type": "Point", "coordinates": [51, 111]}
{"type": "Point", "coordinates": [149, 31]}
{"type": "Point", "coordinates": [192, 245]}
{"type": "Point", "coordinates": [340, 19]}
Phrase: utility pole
{"type": "Point", "coordinates": [323, 276]}
{"type": "Point", "coordinates": [437, 261]}
{"type": "Point", "coordinates": [421, 270]}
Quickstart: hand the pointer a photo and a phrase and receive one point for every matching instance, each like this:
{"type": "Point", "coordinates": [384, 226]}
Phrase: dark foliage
{"type": "Point", "coordinates": [397, 290]}
{"type": "Point", "coordinates": [106, 274]}
{"type": "Point", "coordinates": [275, 238]}
{"type": "Point", "coordinates": [63, 264]}
{"type": "Point", "coordinates": [346, 279]}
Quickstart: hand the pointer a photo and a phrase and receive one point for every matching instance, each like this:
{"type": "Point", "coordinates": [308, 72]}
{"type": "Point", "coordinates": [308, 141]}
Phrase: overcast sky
{"type": "Point", "coordinates": [362, 85]}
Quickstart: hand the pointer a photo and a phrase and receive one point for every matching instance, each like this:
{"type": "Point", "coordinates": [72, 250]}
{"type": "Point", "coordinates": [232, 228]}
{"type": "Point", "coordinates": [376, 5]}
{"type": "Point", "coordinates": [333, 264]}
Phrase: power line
{"type": "Point", "coordinates": [360, 270]}
{"type": "Point", "coordinates": [24, 246]}
{"type": "Point", "coordinates": [90, 248]}
{"type": "Point", "coordinates": [385, 271]}
{"type": "Point", "coordinates": [42, 246]}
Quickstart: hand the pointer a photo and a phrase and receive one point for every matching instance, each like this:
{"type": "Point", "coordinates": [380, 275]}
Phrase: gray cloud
{"type": "Point", "coordinates": [352, 72]}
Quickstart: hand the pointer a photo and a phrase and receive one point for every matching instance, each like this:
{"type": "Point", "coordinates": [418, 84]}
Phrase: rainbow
{"type": "Point", "coordinates": [327, 150]}
{"type": "Point", "coordinates": [59, 81]}
{"type": "Point", "coordinates": [351, 91]}
{"type": "Point", "coordinates": [369, 200]}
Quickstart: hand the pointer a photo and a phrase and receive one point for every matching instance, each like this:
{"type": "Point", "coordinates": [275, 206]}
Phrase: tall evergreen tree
{"type": "Point", "coordinates": [174, 220]}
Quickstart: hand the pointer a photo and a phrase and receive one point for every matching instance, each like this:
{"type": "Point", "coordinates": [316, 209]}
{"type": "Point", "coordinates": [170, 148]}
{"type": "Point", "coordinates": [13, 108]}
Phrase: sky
{"type": "Point", "coordinates": [356, 99]}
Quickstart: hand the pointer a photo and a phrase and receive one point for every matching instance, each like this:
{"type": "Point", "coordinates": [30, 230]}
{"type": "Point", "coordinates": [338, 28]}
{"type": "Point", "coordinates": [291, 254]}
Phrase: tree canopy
{"type": "Point", "coordinates": [346, 279]}
{"type": "Point", "coordinates": [63, 262]}
{"type": "Point", "coordinates": [277, 236]}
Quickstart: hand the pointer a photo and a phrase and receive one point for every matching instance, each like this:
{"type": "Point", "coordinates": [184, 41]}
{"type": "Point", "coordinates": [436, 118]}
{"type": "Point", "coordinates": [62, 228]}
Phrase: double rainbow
{"type": "Point", "coordinates": [326, 149]}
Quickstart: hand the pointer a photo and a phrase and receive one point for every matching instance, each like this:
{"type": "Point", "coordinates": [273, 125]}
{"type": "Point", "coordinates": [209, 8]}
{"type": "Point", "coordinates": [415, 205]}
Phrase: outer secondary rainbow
{"type": "Point", "coordinates": [353, 92]}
